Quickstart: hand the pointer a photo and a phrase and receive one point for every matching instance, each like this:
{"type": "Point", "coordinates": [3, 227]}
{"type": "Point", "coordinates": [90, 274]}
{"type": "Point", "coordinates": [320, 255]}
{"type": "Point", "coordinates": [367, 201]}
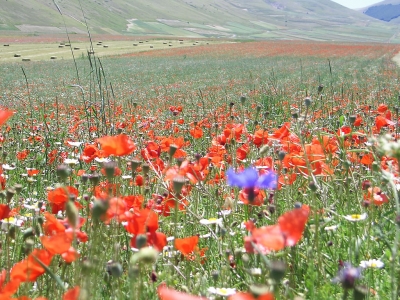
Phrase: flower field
{"type": "Point", "coordinates": [239, 171]}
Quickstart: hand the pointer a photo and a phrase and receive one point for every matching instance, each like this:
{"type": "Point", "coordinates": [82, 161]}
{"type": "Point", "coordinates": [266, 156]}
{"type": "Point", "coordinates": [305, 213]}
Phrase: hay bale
{"type": "Point", "coordinates": [181, 40]}
{"type": "Point", "coordinates": [62, 43]}
{"type": "Point", "coordinates": [26, 59]}
{"type": "Point", "coordinates": [170, 45]}
{"type": "Point", "coordinates": [77, 48]}
{"type": "Point", "coordinates": [60, 46]}
{"type": "Point", "coordinates": [67, 45]}
{"type": "Point", "coordinates": [135, 44]}
{"type": "Point", "coordinates": [164, 43]}
{"type": "Point", "coordinates": [90, 52]}
{"type": "Point", "coordinates": [141, 42]}
{"type": "Point", "coordinates": [53, 57]}
{"type": "Point", "coordinates": [151, 46]}
{"type": "Point", "coordinates": [105, 46]}
{"type": "Point", "coordinates": [17, 55]}
{"type": "Point", "coordinates": [6, 45]}
{"type": "Point", "coordinates": [100, 42]}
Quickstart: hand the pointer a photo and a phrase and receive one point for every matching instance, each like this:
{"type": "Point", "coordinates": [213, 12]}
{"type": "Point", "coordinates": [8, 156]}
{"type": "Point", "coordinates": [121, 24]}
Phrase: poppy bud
{"type": "Point", "coordinates": [145, 169]}
{"type": "Point", "coordinates": [258, 108]}
{"type": "Point", "coordinates": [109, 168]}
{"type": "Point", "coordinates": [178, 183]}
{"type": "Point", "coordinates": [281, 155]}
{"type": "Point", "coordinates": [242, 99]}
{"type": "Point", "coordinates": [28, 246]}
{"type": "Point", "coordinates": [134, 165]}
{"type": "Point", "coordinates": [215, 275]}
{"type": "Point", "coordinates": [172, 150]}
{"type": "Point", "coordinates": [114, 269]}
{"type": "Point", "coordinates": [307, 101]}
{"type": "Point", "coordinates": [313, 187]}
{"type": "Point", "coordinates": [18, 188]}
{"type": "Point", "coordinates": [84, 178]}
{"type": "Point", "coordinates": [145, 255]}
{"type": "Point", "coordinates": [9, 194]}
{"type": "Point", "coordinates": [63, 171]}
{"type": "Point", "coordinates": [320, 88]}
{"type": "Point", "coordinates": [27, 233]}
{"type": "Point", "coordinates": [141, 241]}
{"type": "Point", "coordinates": [72, 214]}
{"type": "Point", "coordinates": [278, 269]}
{"type": "Point", "coordinates": [99, 209]}
{"type": "Point", "coordinates": [94, 178]}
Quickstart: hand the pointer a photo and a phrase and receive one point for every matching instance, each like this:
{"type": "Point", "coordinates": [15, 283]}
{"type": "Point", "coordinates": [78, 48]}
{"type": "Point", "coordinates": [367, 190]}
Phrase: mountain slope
{"type": "Point", "coordinates": [302, 19]}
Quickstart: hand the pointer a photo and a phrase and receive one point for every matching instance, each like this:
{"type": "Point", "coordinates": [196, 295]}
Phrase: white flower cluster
{"type": "Point", "coordinates": [387, 145]}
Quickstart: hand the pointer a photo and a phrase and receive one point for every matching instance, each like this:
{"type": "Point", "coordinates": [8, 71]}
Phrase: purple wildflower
{"type": "Point", "coordinates": [347, 276]}
{"type": "Point", "coordinates": [249, 179]}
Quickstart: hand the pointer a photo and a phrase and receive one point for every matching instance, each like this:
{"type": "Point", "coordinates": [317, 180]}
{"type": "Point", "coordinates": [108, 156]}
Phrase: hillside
{"type": "Point", "coordinates": [274, 19]}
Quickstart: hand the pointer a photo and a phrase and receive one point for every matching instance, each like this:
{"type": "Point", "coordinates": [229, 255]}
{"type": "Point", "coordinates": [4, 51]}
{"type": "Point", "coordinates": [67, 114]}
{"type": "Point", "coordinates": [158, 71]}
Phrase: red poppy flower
{"type": "Point", "coordinates": [249, 296]}
{"type": "Point", "coordinates": [5, 114]}
{"type": "Point", "coordinates": [58, 243]}
{"type": "Point", "coordinates": [29, 269]}
{"type": "Point", "coordinates": [90, 152]}
{"type": "Point", "coordinates": [4, 211]}
{"type": "Point", "coordinates": [60, 196]}
{"type": "Point", "coordinates": [165, 293]}
{"type": "Point", "coordinates": [286, 233]}
{"type": "Point", "coordinates": [186, 245]}
{"type": "Point", "coordinates": [142, 221]}
{"type": "Point", "coordinates": [118, 145]}
{"type": "Point", "coordinates": [196, 132]}
{"type": "Point", "coordinates": [72, 294]}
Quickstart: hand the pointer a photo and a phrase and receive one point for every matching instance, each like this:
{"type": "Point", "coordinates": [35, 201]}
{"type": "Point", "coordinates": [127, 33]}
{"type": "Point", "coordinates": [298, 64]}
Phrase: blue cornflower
{"type": "Point", "coordinates": [249, 179]}
{"type": "Point", "coordinates": [347, 276]}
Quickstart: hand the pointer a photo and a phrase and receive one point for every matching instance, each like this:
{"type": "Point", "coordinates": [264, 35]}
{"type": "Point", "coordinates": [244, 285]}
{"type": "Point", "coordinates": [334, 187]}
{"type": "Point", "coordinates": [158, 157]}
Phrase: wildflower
{"type": "Point", "coordinates": [251, 184]}
{"type": "Point", "coordinates": [222, 291]}
{"type": "Point", "coordinates": [347, 276]}
{"type": "Point", "coordinates": [186, 245]}
{"type": "Point", "coordinates": [5, 114]}
{"type": "Point", "coordinates": [118, 145]}
{"type": "Point", "coordinates": [250, 296]}
{"type": "Point", "coordinates": [74, 144]}
{"type": "Point", "coordinates": [165, 293]}
{"type": "Point", "coordinates": [372, 263]}
{"type": "Point", "coordinates": [249, 179]}
{"type": "Point", "coordinates": [211, 221]}
{"type": "Point", "coordinates": [356, 217]}
{"type": "Point", "coordinates": [286, 233]}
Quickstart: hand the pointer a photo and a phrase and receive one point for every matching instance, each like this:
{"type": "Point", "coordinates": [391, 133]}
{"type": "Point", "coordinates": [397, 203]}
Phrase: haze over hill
{"type": "Point", "coordinates": [263, 19]}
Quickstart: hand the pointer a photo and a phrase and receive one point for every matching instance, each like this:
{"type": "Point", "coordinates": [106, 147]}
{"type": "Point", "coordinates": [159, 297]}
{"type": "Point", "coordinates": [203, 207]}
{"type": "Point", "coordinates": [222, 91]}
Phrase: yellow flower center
{"type": "Point", "coordinates": [356, 217]}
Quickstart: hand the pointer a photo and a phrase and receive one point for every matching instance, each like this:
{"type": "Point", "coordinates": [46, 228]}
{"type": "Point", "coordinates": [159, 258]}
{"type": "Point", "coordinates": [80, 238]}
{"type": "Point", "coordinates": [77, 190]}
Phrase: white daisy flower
{"type": "Point", "coordinates": [211, 221]}
{"type": "Point", "coordinates": [222, 291]}
{"type": "Point", "coordinates": [372, 263]}
{"type": "Point", "coordinates": [356, 217]}
{"type": "Point", "coordinates": [75, 144]}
